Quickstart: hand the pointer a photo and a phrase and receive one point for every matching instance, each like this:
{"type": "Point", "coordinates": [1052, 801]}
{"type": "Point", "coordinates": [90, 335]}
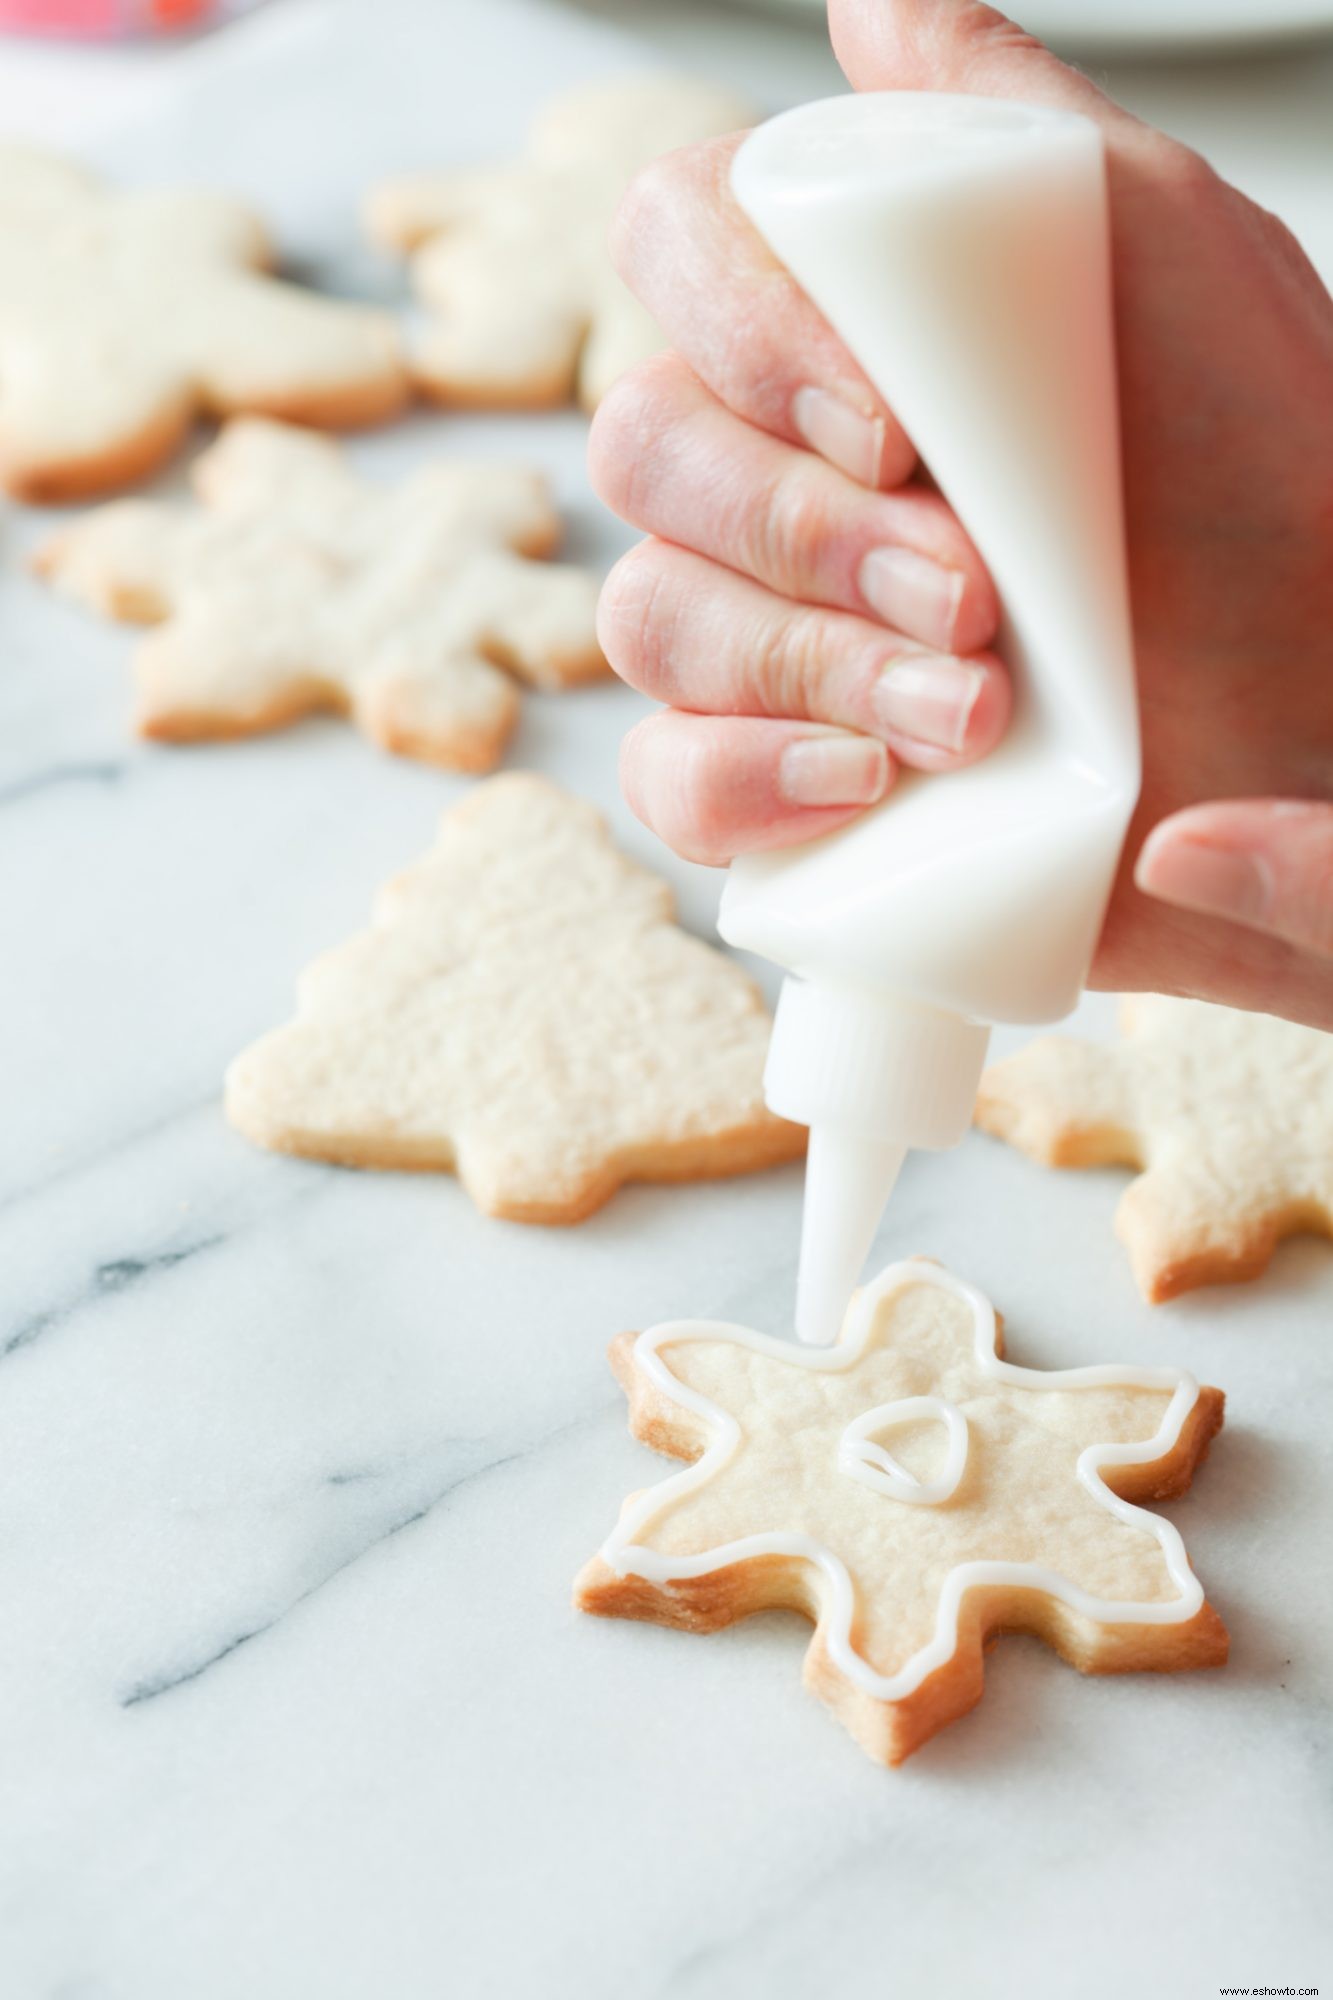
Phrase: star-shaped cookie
{"type": "Point", "coordinates": [911, 1493]}
{"type": "Point", "coordinates": [524, 1011]}
{"type": "Point", "coordinates": [124, 315]}
{"type": "Point", "coordinates": [1227, 1116]}
{"type": "Point", "coordinates": [511, 261]}
{"type": "Point", "coordinates": [296, 586]}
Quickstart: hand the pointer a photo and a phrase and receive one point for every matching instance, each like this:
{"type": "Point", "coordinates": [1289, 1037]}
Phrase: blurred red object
{"type": "Point", "coordinates": [98, 20]}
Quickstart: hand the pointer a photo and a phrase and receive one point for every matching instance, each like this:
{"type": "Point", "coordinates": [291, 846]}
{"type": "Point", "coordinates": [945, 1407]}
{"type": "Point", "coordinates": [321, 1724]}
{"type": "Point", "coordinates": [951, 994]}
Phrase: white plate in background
{"type": "Point", "coordinates": [1147, 24]}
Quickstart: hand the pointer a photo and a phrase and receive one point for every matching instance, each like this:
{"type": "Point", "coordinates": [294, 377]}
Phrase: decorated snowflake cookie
{"type": "Point", "coordinates": [1228, 1116]}
{"type": "Point", "coordinates": [297, 587]}
{"type": "Point", "coordinates": [524, 1011]}
{"type": "Point", "coordinates": [511, 261]}
{"type": "Point", "coordinates": [123, 315]}
{"type": "Point", "coordinates": [911, 1493]}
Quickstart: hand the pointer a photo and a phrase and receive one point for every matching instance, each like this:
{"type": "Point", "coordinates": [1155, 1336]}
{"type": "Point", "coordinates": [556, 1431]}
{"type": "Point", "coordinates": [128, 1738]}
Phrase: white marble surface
{"type": "Point", "coordinates": [296, 1465]}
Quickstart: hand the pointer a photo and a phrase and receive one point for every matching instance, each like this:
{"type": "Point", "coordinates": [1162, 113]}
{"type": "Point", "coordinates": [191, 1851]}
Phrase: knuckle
{"type": "Point", "coordinates": [695, 800]}
{"type": "Point", "coordinates": [1182, 172]}
{"type": "Point", "coordinates": [669, 780]}
{"type": "Point", "coordinates": [627, 436]}
{"type": "Point", "coordinates": [1280, 238]}
{"type": "Point", "coordinates": [635, 751]}
{"type": "Point", "coordinates": [636, 618]}
{"type": "Point", "coordinates": [992, 35]}
{"type": "Point", "coordinates": [800, 662]}
{"type": "Point", "coordinates": [612, 440]}
{"type": "Point", "coordinates": [748, 366]}
{"type": "Point", "coordinates": [789, 521]}
{"type": "Point", "coordinates": [648, 213]}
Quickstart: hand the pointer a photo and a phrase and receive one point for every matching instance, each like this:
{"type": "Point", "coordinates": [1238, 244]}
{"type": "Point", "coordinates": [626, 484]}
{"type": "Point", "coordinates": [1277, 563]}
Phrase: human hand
{"type": "Point", "coordinates": [812, 614]}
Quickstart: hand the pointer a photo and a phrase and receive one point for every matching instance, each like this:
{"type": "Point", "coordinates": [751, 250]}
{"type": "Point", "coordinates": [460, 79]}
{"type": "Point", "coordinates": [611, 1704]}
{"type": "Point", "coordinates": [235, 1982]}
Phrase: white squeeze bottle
{"type": "Point", "coordinates": [960, 247]}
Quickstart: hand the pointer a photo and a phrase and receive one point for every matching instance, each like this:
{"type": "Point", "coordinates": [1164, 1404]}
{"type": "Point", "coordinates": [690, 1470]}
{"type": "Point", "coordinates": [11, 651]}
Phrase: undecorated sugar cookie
{"type": "Point", "coordinates": [124, 315]}
{"type": "Point", "coordinates": [911, 1493]}
{"type": "Point", "coordinates": [524, 1011]}
{"type": "Point", "coordinates": [1228, 1116]}
{"type": "Point", "coordinates": [296, 586]}
{"type": "Point", "coordinates": [511, 261]}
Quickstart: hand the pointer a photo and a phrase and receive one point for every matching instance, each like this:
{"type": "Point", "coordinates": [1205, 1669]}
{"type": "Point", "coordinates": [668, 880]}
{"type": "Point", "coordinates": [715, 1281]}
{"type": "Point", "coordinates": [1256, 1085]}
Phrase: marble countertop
{"type": "Point", "coordinates": [297, 1465]}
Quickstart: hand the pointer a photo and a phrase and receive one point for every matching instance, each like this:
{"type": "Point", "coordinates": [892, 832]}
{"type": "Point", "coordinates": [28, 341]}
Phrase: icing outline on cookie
{"type": "Point", "coordinates": [622, 1554]}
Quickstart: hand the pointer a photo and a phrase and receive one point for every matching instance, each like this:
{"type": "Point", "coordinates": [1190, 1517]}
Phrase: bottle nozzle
{"type": "Point", "coordinates": [871, 1074]}
{"type": "Point", "coordinates": [848, 1181]}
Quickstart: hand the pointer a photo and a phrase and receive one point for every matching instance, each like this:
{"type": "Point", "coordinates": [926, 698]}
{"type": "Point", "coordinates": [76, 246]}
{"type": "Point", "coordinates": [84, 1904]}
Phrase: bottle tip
{"type": "Point", "coordinates": [820, 1310]}
{"type": "Point", "coordinates": [848, 1180]}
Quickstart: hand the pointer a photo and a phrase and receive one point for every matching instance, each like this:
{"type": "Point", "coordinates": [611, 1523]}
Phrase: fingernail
{"type": "Point", "coordinates": [929, 699]}
{"type": "Point", "coordinates": [843, 435]}
{"type": "Point", "coordinates": [910, 591]}
{"type": "Point", "coordinates": [833, 771]}
{"type": "Point", "coordinates": [1224, 882]}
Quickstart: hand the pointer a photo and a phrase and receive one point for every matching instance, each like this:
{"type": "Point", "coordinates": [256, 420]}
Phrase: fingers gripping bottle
{"type": "Point", "coordinates": [960, 247]}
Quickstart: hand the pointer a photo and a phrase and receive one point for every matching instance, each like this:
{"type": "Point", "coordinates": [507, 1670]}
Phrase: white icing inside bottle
{"type": "Point", "coordinates": [960, 246]}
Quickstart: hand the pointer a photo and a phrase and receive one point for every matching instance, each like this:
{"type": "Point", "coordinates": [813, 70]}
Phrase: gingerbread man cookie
{"type": "Point", "coordinates": [1228, 1117]}
{"type": "Point", "coordinates": [910, 1492]}
{"type": "Point", "coordinates": [297, 587]}
{"type": "Point", "coordinates": [525, 1012]}
{"type": "Point", "coordinates": [124, 315]}
{"type": "Point", "coordinates": [511, 262]}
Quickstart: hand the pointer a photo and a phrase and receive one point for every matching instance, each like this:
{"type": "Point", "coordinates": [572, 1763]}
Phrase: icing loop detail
{"type": "Point", "coordinates": [861, 1458]}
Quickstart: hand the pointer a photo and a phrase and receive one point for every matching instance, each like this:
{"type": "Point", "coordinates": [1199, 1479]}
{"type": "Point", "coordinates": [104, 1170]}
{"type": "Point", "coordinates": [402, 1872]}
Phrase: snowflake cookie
{"type": "Point", "coordinates": [511, 261]}
{"type": "Point", "coordinates": [1228, 1116]}
{"type": "Point", "coordinates": [124, 315]}
{"type": "Point", "coordinates": [296, 587]}
{"type": "Point", "coordinates": [911, 1493]}
{"type": "Point", "coordinates": [524, 1011]}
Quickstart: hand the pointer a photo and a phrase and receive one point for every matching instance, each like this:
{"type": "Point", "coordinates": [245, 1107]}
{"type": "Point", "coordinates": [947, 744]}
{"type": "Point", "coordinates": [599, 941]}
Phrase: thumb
{"type": "Point", "coordinates": [958, 45]}
{"type": "Point", "coordinates": [1266, 863]}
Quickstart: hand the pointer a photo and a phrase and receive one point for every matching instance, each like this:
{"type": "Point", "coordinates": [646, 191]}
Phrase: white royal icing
{"type": "Point", "coordinates": [863, 1460]}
